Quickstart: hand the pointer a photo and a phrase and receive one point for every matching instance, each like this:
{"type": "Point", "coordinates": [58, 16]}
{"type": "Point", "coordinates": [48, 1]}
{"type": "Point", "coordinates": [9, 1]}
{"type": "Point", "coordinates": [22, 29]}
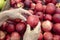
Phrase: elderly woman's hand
{"type": "Point", "coordinates": [32, 34]}
{"type": "Point", "coordinates": [18, 13]}
{"type": "Point", "coordinates": [14, 13]}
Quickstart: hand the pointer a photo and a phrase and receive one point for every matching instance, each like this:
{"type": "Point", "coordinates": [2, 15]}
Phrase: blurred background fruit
{"type": "Point", "coordinates": [2, 3]}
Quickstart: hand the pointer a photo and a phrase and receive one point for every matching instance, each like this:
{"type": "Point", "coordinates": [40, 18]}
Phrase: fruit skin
{"type": "Point", "coordinates": [2, 35]}
{"type": "Point", "coordinates": [46, 25]}
{"type": "Point", "coordinates": [17, 1]}
{"type": "Point", "coordinates": [36, 1]}
{"type": "Point", "coordinates": [10, 28]}
{"type": "Point", "coordinates": [40, 15]}
{"type": "Point", "coordinates": [56, 28]}
{"type": "Point", "coordinates": [56, 37]}
{"type": "Point", "coordinates": [50, 9]}
{"type": "Point", "coordinates": [58, 11]}
{"type": "Point", "coordinates": [15, 36]}
{"type": "Point", "coordinates": [20, 27]}
{"type": "Point", "coordinates": [4, 25]}
{"type": "Point", "coordinates": [44, 8]}
{"type": "Point", "coordinates": [33, 20]}
{"type": "Point", "coordinates": [27, 3]}
{"type": "Point", "coordinates": [40, 36]}
{"type": "Point", "coordinates": [56, 18]}
{"type": "Point", "coordinates": [2, 2]}
{"type": "Point", "coordinates": [7, 37]}
{"type": "Point", "coordinates": [48, 17]}
{"type": "Point", "coordinates": [39, 7]}
{"type": "Point", "coordinates": [39, 1]}
{"type": "Point", "coordinates": [47, 1]}
{"type": "Point", "coordinates": [31, 11]}
{"type": "Point", "coordinates": [54, 1]}
{"type": "Point", "coordinates": [51, 1]}
{"type": "Point", "coordinates": [48, 36]}
{"type": "Point", "coordinates": [32, 6]}
{"type": "Point", "coordinates": [12, 3]}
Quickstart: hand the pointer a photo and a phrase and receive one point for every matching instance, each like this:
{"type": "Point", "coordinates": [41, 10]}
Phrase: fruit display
{"type": "Point", "coordinates": [47, 12]}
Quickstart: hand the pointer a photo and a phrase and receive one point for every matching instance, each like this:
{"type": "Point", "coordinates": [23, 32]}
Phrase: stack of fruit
{"type": "Point", "coordinates": [46, 11]}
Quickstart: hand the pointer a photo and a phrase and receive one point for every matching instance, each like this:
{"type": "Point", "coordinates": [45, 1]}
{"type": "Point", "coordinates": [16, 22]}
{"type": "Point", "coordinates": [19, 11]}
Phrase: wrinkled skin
{"type": "Point", "coordinates": [32, 34]}
{"type": "Point", "coordinates": [13, 14]}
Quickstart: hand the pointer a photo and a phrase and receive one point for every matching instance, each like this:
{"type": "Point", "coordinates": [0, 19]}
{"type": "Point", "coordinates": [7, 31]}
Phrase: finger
{"type": "Point", "coordinates": [20, 10]}
{"type": "Point", "coordinates": [28, 28]}
{"type": "Point", "coordinates": [3, 18]}
{"type": "Point", "coordinates": [16, 15]}
{"type": "Point", "coordinates": [10, 11]}
{"type": "Point", "coordinates": [2, 21]}
{"type": "Point", "coordinates": [38, 27]}
{"type": "Point", "coordinates": [25, 11]}
{"type": "Point", "coordinates": [23, 18]}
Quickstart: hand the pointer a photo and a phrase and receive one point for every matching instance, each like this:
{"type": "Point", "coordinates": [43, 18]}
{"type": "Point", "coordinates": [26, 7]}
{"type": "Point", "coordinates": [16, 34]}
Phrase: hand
{"type": "Point", "coordinates": [14, 13]}
{"type": "Point", "coordinates": [32, 34]}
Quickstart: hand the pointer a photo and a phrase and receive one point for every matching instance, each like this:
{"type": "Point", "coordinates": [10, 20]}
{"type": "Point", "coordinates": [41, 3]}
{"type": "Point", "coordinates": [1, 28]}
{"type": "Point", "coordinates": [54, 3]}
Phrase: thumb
{"type": "Point", "coordinates": [24, 11]}
{"type": "Point", "coordinates": [38, 27]}
{"type": "Point", "coordinates": [28, 28]}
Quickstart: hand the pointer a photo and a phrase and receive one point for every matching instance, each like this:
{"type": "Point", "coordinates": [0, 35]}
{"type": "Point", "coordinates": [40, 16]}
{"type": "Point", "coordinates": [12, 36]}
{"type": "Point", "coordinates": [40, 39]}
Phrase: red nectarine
{"type": "Point", "coordinates": [56, 37]}
{"type": "Point", "coordinates": [20, 27]}
{"type": "Point", "coordinates": [40, 15]}
{"type": "Point", "coordinates": [40, 36]}
{"type": "Point", "coordinates": [50, 9]}
{"type": "Point", "coordinates": [39, 7]}
{"type": "Point", "coordinates": [47, 25]}
{"type": "Point", "coordinates": [10, 28]}
{"type": "Point", "coordinates": [48, 17]}
{"type": "Point", "coordinates": [48, 36]}
{"type": "Point", "coordinates": [56, 28]}
{"type": "Point", "coordinates": [33, 20]}
{"type": "Point", "coordinates": [15, 36]}
{"type": "Point", "coordinates": [56, 18]}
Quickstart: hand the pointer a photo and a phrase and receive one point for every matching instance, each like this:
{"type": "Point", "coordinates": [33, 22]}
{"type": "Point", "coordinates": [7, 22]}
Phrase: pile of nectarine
{"type": "Point", "coordinates": [45, 11]}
